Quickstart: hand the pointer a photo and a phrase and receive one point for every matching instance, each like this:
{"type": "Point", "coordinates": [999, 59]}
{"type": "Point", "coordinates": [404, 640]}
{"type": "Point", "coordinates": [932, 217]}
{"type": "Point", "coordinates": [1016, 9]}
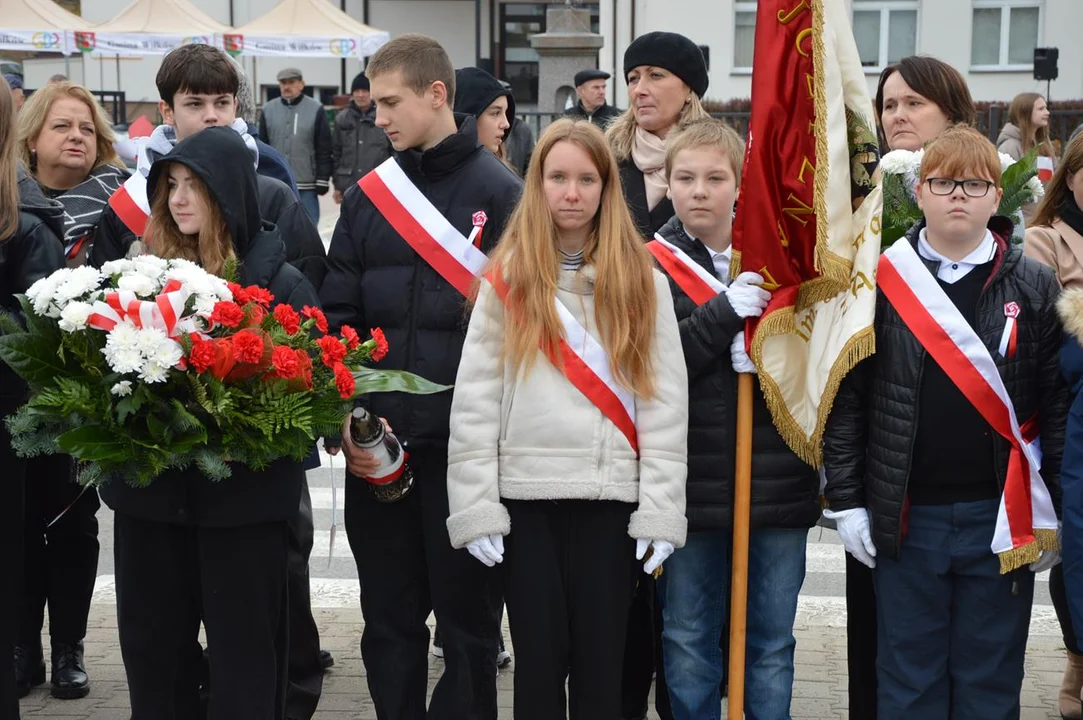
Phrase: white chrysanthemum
{"type": "Point", "coordinates": [149, 340]}
{"type": "Point", "coordinates": [1006, 161]}
{"type": "Point", "coordinates": [204, 304]}
{"type": "Point", "coordinates": [123, 335]}
{"type": "Point", "coordinates": [117, 267]}
{"type": "Point", "coordinates": [1037, 189]}
{"type": "Point", "coordinates": [150, 265]}
{"type": "Point", "coordinates": [42, 294]}
{"type": "Point", "coordinates": [74, 316]}
{"type": "Point", "coordinates": [82, 281]}
{"type": "Point", "coordinates": [140, 284]}
{"type": "Point", "coordinates": [896, 162]}
{"type": "Point", "coordinates": [167, 354]}
{"type": "Point", "coordinates": [123, 359]}
{"type": "Point", "coordinates": [152, 372]}
{"type": "Point", "coordinates": [122, 388]}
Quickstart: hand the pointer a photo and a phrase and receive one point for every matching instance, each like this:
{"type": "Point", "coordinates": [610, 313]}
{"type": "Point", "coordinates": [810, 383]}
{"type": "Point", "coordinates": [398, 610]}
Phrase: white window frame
{"type": "Point", "coordinates": [1005, 7]}
{"type": "Point", "coordinates": [885, 7]}
{"type": "Point", "coordinates": [739, 6]}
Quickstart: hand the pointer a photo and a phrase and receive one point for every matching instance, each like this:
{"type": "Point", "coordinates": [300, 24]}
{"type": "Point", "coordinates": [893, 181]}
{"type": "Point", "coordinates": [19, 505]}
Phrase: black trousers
{"type": "Point", "coordinates": [569, 577]}
{"type": "Point", "coordinates": [61, 562]}
{"type": "Point", "coordinates": [408, 569]}
{"type": "Point", "coordinates": [1059, 596]}
{"type": "Point", "coordinates": [860, 639]}
{"type": "Point", "coordinates": [165, 575]}
{"type": "Point", "coordinates": [305, 678]}
{"type": "Point", "coordinates": [11, 561]}
{"type": "Point", "coordinates": [643, 655]}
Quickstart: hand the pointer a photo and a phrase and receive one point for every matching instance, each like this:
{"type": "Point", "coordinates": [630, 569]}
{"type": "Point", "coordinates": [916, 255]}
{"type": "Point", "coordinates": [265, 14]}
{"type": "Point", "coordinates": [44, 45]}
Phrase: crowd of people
{"type": "Point", "coordinates": [590, 438]}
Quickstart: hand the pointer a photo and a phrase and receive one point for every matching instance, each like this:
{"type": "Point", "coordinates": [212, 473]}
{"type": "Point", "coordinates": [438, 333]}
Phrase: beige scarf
{"type": "Point", "coordinates": [649, 155]}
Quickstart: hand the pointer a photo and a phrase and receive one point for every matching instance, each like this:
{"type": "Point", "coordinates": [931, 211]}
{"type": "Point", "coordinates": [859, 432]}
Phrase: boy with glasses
{"type": "Point", "coordinates": [934, 472]}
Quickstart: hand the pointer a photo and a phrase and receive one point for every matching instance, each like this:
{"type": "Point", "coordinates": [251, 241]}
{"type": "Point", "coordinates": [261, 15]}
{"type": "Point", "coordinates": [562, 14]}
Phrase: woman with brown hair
{"type": "Point", "coordinates": [1028, 128]}
{"type": "Point", "coordinates": [186, 547]}
{"type": "Point", "coordinates": [567, 461]}
{"type": "Point", "coordinates": [667, 78]}
{"type": "Point", "coordinates": [1055, 238]}
{"type": "Point", "coordinates": [65, 141]}
{"type": "Point", "coordinates": [29, 251]}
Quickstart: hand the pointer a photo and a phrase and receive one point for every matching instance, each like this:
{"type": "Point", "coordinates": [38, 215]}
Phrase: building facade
{"type": "Point", "coordinates": [990, 41]}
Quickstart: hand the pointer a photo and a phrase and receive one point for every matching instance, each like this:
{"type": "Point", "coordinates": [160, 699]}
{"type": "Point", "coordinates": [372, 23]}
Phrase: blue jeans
{"type": "Point", "coordinates": [311, 203]}
{"type": "Point", "coordinates": [694, 590]}
{"type": "Point", "coordinates": [952, 629]}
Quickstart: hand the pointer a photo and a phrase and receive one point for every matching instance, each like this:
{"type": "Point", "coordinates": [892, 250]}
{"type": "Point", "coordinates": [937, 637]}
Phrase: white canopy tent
{"type": "Point", "coordinates": [152, 27]}
{"type": "Point", "coordinates": [305, 28]}
{"type": "Point", "coordinates": [38, 26]}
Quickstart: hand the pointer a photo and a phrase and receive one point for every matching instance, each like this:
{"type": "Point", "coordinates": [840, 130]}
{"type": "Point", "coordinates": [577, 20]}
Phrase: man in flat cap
{"type": "Point", "coordinates": [296, 126]}
{"type": "Point", "coordinates": [590, 87]}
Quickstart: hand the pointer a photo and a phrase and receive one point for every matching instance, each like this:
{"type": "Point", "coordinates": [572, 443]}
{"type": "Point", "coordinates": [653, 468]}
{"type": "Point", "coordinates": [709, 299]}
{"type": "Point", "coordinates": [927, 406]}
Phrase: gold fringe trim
{"type": "Point", "coordinates": [1016, 558]}
{"type": "Point", "coordinates": [735, 263]}
{"type": "Point", "coordinates": [823, 168]}
{"type": "Point", "coordinates": [856, 349]}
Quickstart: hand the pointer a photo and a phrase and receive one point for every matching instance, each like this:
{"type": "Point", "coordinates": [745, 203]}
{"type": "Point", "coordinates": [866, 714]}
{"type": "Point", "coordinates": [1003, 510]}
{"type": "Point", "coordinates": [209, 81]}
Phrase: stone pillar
{"type": "Point", "coordinates": [566, 47]}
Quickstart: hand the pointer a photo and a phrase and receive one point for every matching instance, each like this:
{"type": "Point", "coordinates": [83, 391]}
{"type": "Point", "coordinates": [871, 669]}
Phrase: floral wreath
{"type": "Point", "coordinates": [902, 168]}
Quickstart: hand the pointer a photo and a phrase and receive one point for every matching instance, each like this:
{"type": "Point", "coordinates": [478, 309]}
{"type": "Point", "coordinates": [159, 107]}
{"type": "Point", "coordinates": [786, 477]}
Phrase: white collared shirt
{"type": "Point", "coordinates": [720, 260]}
{"type": "Point", "coordinates": [951, 271]}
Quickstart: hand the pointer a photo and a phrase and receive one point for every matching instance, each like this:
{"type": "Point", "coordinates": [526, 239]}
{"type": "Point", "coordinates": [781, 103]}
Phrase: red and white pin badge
{"type": "Point", "coordinates": [479, 220]}
{"type": "Point", "coordinates": [1010, 336]}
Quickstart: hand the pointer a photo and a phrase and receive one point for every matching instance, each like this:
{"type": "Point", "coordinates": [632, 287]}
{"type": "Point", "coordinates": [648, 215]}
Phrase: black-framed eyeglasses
{"type": "Point", "coordinates": [972, 187]}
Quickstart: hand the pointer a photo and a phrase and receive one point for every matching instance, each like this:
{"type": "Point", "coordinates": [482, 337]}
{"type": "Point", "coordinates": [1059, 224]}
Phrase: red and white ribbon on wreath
{"type": "Point", "coordinates": [164, 312]}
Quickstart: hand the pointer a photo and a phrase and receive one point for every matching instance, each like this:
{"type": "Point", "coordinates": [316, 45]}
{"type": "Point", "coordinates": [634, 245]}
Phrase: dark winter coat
{"type": "Point", "coordinates": [357, 145]}
{"type": "Point", "coordinates": [375, 279]}
{"type": "Point", "coordinates": [33, 252]}
{"type": "Point", "coordinates": [785, 490]}
{"type": "Point", "coordinates": [635, 195]}
{"type": "Point", "coordinates": [1071, 475]}
{"type": "Point", "coordinates": [601, 117]}
{"type": "Point", "coordinates": [870, 434]}
{"type": "Point", "coordinates": [272, 164]}
{"type": "Point", "coordinates": [219, 158]}
{"type": "Point", "coordinates": [299, 129]}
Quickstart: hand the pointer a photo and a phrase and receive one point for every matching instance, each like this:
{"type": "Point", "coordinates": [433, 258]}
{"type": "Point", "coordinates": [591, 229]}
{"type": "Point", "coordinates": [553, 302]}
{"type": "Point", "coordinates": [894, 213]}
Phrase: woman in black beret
{"type": "Point", "coordinates": [667, 77]}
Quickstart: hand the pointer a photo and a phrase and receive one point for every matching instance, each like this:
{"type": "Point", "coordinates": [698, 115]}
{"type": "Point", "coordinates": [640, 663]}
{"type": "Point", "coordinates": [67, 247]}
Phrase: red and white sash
{"type": "Point", "coordinates": [1045, 168]}
{"type": "Point", "coordinates": [696, 282]}
{"type": "Point", "coordinates": [1026, 521]}
{"type": "Point", "coordinates": [454, 256]}
{"type": "Point", "coordinates": [131, 204]}
{"type": "Point", "coordinates": [423, 227]}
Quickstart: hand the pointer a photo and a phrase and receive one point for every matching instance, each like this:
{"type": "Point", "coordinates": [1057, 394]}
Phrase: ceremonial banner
{"type": "Point", "coordinates": [359, 46]}
{"type": "Point", "coordinates": [808, 217]}
{"type": "Point", "coordinates": [114, 43]}
{"type": "Point", "coordinates": [36, 40]}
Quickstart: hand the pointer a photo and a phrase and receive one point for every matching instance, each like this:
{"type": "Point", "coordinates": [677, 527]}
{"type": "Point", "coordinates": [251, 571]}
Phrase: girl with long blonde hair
{"type": "Point", "coordinates": [568, 427]}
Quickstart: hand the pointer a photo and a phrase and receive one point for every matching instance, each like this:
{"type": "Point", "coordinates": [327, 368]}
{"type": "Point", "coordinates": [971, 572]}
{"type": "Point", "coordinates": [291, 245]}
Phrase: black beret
{"type": "Point", "coordinates": [587, 75]}
{"type": "Point", "coordinates": [361, 82]}
{"type": "Point", "coordinates": [672, 52]}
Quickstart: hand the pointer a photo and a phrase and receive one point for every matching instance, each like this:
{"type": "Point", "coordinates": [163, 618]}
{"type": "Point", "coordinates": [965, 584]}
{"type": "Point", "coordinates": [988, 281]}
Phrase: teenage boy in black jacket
{"type": "Point", "coordinates": [376, 278]}
{"type": "Point", "coordinates": [703, 164]}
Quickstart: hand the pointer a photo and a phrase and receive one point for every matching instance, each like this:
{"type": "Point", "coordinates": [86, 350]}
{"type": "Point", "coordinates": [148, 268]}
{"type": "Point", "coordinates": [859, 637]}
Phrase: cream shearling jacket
{"type": "Point", "coordinates": [536, 437]}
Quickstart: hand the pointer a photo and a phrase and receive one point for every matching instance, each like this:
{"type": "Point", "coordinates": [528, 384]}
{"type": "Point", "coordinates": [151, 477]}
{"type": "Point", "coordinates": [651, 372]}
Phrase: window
{"type": "Point", "coordinates": [885, 30]}
{"type": "Point", "coordinates": [744, 34]}
{"type": "Point", "coordinates": [518, 61]}
{"type": "Point", "coordinates": [1004, 34]}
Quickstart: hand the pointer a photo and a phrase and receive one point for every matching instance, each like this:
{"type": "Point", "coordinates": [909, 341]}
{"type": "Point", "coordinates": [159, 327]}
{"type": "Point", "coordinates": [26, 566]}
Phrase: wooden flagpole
{"type": "Point", "coordinates": [742, 507]}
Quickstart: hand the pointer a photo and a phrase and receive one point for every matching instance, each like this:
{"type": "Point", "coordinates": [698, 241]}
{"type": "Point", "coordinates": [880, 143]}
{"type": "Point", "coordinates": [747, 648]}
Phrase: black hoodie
{"type": "Point", "coordinates": [33, 252]}
{"type": "Point", "coordinates": [476, 90]}
{"type": "Point", "coordinates": [220, 159]}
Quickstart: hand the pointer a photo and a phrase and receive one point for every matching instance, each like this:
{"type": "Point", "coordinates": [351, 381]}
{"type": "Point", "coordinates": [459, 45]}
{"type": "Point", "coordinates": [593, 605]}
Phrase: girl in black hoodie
{"type": "Point", "coordinates": [187, 547]}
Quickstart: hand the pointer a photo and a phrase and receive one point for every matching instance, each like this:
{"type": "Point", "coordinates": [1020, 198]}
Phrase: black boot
{"type": "Point", "coordinates": [70, 680]}
{"type": "Point", "coordinates": [29, 668]}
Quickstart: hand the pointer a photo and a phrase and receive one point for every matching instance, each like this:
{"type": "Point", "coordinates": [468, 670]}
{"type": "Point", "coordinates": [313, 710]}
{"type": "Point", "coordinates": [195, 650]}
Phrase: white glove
{"type": "Point", "coordinates": [742, 363]}
{"type": "Point", "coordinates": [746, 296]}
{"type": "Point", "coordinates": [662, 550]}
{"type": "Point", "coordinates": [1049, 558]}
{"type": "Point", "coordinates": [853, 527]}
{"type": "Point", "coordinates": [488, 549]}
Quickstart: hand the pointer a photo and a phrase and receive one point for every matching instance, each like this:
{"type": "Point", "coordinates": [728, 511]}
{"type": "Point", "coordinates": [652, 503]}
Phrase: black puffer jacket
{"type": "Point", "coordinates": [785, 491]}
{"type": "Point", "coordinates": [33, 252]}
{"type": "Point", "coordinates": [375, 279]}
{"type": "Point", "coordinates": [219, 158]}
{"type": "Point", "coordinates": [635, 195]}
{"type": "Point", "coordinates": [870, 434]}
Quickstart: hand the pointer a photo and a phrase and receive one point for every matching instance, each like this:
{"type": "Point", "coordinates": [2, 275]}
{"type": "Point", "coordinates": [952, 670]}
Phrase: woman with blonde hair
{"type": "Point", "coordinates": [65, 141]}
{"type": "Point", "coordinates": [667, 77]}
{"type": "Point", "coordinates": [29, 251]}
{"type": "Point", "coordinates": [567, 456]}
{"type": "Point", "coordinates": [1028, 128]}
{"type": "Point", "coordinates": [186, 547]}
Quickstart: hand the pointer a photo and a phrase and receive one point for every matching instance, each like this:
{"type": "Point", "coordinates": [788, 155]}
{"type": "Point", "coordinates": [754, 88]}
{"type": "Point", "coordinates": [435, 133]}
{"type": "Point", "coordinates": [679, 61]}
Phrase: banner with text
{"type": "Point", "coordinates": [359, 46]}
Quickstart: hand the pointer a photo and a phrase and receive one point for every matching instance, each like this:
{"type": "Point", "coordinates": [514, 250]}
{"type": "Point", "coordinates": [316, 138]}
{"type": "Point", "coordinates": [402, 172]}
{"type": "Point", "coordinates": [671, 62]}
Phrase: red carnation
{"type": "Point", "coordinates": [344, 381]}
{"type": "Point", "coordinates": [351, 337]}
{"type": "Point", "coordinates": [314, 313]}
{"type": "Point", "coordinates": [247, 347]}
{"type": "Point", "coordinates": [259, 295]}
{"type": "Point", "coordinates": [227, 313]}
{"type": "Point", "coordinates": [288, 318]}
{"type": "Point", "coordinates": [202, 355]}
{"type": "Point", "coordinates": [380, 352]}
{"type": "Point", "coordinates": [240, 295]}
{"type": "Point", "coordinates": [333, 350]}
{"type": "Point", "coordinates": [286, 363]}
{"type": "Point", "coordinates": [255, 315]}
